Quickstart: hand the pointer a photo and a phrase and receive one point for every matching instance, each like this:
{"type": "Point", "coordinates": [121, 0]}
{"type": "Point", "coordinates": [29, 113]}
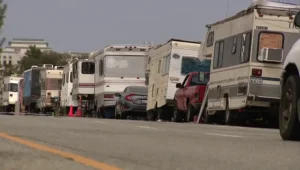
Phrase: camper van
{"type": "Point", "coordinates": [83, 84]}
{"type": "Point", "coordinates": [248, 51]}
{"type": "Point", "coordinates": [117, 66]}
{"type": "Point", "coordinates": [169, 64]}
{"type": "Point", "coordinates": [11, 93]}
{"type": "Point", "coordinates": [66, 100]}
{"type": "Point", "coordinates": [32, 89]}
{"type": "Point", "coordinates": [50, 80]}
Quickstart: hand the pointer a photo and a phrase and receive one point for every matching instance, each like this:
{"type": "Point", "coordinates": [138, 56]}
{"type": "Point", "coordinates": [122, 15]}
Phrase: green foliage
{"type": "Point", "coordinates": [34, 56]}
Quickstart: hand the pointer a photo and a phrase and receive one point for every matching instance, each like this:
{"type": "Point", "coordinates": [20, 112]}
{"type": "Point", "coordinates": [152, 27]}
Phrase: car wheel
{"type": "Point", "coordinates": [289, 125]}
{"type": "Point", "coordinates": [190, 113]}
{"type": "Point", "coordinates": [117, 115]}
{"type": "Point", "coordinates": [177, 115]}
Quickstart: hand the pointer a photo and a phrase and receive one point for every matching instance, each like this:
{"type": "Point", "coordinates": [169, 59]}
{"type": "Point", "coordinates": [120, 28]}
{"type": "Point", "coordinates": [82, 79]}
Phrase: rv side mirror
{"type": "Point", "coordinates": [297, 20]}
{"type": "Point", "coordinates": [118, 94]}
{"type": "Point", "coordinates": [178, 85]}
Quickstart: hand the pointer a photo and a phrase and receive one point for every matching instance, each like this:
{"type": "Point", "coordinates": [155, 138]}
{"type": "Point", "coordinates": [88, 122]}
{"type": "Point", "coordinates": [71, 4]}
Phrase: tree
{"type": "Point", "coordinates": [34, 56]}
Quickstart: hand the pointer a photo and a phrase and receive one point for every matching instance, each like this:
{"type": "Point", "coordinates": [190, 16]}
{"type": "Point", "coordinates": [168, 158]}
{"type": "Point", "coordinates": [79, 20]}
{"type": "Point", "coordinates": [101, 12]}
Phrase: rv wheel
{"type": "Point", "coordinates": [229, 117]}
{"type": "Point", "coordinates": [150, 115]}
{"type": "Point", "coordinates": [289, 125]}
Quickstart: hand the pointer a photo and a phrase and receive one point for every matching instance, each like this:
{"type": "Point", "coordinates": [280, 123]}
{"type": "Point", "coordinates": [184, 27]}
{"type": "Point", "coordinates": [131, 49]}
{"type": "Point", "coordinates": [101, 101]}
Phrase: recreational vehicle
{"type": "Point", "coordinates": [50, 80]}
{"type": "Point", "coordinates": [66, 100]}
{"type": "Point", "coordinates": [248, 51]}
{"type": "Point", "coordinates": [32, 89]}
{"type": "Point", "coordinates": [11, 93]}
{"type": "Point", "coordinates": [117, 66]}
{"type": "Point", "coordinates": [170, 64]}
{"type": "Point", "coordinates": [83, 84]}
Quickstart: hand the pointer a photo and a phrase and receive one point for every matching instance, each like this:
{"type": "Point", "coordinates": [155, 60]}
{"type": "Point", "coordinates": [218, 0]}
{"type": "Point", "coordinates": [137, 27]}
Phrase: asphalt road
{"type": "Point", "coordinates": [35, 143]}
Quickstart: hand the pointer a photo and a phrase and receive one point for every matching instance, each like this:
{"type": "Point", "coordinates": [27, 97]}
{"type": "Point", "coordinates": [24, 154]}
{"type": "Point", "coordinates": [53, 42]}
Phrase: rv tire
{"type": "Point", "coordinates": [290, 128]}
{"type": "Point", "coordinates": [208, 119]}
{"type": "Point", "coordinates": [150, 115]}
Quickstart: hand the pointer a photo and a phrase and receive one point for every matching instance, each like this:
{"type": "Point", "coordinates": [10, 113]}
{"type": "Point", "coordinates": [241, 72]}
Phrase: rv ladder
{"type": "Point", "coordinates": [203, 103]}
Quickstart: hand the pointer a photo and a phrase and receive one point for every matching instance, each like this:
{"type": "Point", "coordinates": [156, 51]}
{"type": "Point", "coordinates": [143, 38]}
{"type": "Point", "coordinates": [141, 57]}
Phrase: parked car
{"type": "Point", "coordinates": [131, 102]}
{"type": "Point", "coordinates": [189, 96]}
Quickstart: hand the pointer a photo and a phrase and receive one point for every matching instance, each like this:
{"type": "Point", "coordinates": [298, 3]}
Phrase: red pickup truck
{"type": "Point", "coordinates": [189, 95]}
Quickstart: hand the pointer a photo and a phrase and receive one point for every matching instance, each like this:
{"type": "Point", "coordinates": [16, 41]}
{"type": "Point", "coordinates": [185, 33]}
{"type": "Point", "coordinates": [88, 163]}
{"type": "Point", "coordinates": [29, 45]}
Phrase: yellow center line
{"type": "Point", "coordinates": [77, 158]}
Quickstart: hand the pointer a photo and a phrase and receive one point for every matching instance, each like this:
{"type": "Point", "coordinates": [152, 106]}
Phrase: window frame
{"type": "Point", "coordinates": [82, 64]}
{"type": "Point", "coordinates": [234, 45]}
{"type": "Point", "coordinates": [258, 40]}
{"type": "Point", "coordinates": [210, 39]}
{"type": "Point", "coordinates": [166, 64]}
{"type": "Point", "coordinates": [219, 62]}
{"type": "Point", "coordinates": [159, 67]}
{"type": "Point", "coordinates": [249, 48]}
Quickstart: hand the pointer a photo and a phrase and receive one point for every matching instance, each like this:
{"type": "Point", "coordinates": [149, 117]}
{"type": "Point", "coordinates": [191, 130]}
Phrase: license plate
{"type": "Point", "coordinates": [255, 80]}
{"type": "Point", "coordinates": [144, 101]}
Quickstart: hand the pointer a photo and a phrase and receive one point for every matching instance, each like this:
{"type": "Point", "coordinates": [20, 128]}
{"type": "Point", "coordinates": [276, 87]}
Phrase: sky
{"type": "Point", "coordinates": [89, 25]}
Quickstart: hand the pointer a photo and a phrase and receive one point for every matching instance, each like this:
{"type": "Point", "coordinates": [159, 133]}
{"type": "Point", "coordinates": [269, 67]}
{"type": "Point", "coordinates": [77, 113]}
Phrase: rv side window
{"type": "Point", "coordinates": [221, 53]}
{"type": "Point", "coordinates": [159, 66]}
{"type": "Point", "coordinates": [246, 47]}
{"type": "Point", "coordinates": [166, 65]}
{"type": "Point", "coordinates": [101, 68]}
{"type": "Point", "coordinates": [216, 55]}
{"type": "Point", "coordinates": [87, 68]}
{"type": "Point", "coordinates": [270, 40]}
{"type": "Point", "coordinates": [210, 39]}
{"type": "Point", "coordinates": [71, 77]}
{"type": "Point", "coordinates": [67, 78]}
{"type": "Point", "coordinates": [233, 50]}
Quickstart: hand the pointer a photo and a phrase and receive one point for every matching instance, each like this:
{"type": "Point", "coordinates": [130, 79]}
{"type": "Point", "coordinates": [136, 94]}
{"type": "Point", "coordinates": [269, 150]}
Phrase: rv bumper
{"type": "Point", "coordinates": [108, 103]}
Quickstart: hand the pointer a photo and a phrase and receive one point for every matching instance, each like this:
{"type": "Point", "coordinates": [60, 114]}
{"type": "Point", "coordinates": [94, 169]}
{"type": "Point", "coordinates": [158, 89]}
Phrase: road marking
{"type": "Point", "coordinates": [224, 135]}
{"type": "Point", "coordinates": [147, 127]}
{"type": "Point", "coordinates": [77, 158]}
{"type": "Point", "coordinates": [100, 122]}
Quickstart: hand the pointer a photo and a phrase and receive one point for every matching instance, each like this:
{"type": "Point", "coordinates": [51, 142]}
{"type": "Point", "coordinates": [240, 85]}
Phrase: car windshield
{"type": "Point", "coordinates": [140, 90]}
{"type": "Point", "coordinates": [195, 64]}
{"type": "Point", "coordinates": [199, 79]}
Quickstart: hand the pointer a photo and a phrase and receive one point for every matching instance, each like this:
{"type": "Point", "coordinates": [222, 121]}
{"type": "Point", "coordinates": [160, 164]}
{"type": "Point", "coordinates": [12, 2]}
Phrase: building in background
{"type": "Point", "coordinates": [10, 56]}
{"type": "Point", "coordinates": [21, 45]}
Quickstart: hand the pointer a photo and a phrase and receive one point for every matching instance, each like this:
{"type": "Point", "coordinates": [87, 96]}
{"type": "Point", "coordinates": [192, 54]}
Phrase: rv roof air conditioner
{"type": "Point", "coordinates": [34, 66]}
{"type": "Point", "coordinates": [48, 66]}
{"type": "Point", "coordinates": [274, 55]}
{"type": "Point", "coordinates": [58, 67]}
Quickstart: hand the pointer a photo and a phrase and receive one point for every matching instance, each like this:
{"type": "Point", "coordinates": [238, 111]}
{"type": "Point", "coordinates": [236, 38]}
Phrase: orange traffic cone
{"type": "Point", "coordinates": [71, 111]}
{"type": "Point", "coordinates": [79, 112]}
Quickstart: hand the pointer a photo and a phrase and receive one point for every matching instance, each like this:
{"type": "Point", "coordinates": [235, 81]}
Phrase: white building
{"type": "Point", "coordinates": [22, 45]}
{"type": "Point", "coordinates": [10, 56]}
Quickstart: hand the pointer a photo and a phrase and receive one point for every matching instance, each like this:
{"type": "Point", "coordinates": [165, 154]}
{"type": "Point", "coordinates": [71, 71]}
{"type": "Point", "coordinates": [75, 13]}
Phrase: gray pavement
{"type": "Point", "coordinates": [140, 145]}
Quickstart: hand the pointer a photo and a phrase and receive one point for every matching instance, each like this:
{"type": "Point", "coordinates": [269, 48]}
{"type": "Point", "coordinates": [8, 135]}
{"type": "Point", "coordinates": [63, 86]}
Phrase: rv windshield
{"type": "Point", "coordinates": [13, 87]}
{"type": "Point", "coordinates": [121, 66]}
{"type": "Point", "coordinates": [194, 64]}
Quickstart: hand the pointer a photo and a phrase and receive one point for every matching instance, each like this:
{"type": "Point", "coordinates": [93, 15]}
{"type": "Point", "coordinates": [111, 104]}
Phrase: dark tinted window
{"type": "Point", "coordinates": [13, 87]}
{"type": "Point", "coordinates": [196, 80]}
{"type": "Point", "coordinates": [88, 68]}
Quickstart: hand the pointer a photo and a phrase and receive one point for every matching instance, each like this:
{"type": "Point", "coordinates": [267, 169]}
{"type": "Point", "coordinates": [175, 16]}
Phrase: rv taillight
{"type": "Point", "coordinates": [137, 78]}
{"type": "Point", "coordinates": [128, 97]}
{"type": "Point", "coordinates": [291, 17]}
{"type": "Point", "coordinates": [256, 72]}
{"type": "Point", "coordinates": [108, 96]}
{"type": "Point", "coordinates": [261, 15]}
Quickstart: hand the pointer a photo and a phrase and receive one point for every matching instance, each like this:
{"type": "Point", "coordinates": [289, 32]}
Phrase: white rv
{"type": "Point", "coordinates": [83, 84]}
{"type": "Point", "coordinates": [66, 100]}
{"type": "Point", "coordinates": [117, 66]}
{"type": "Point", "coordinates": [11, 92]}
{"type": "Point", "coordinates": [169, 64]}
{"type": "Point", "coordinates": [50, 80]}
{"type": "Point", "coordinates": [248, 51]}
